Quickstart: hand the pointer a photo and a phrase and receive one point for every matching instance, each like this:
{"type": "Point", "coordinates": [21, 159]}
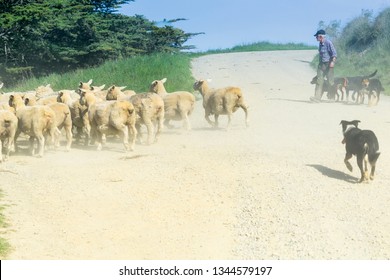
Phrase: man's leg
{"type": "Point", "coordinates": [320, 82]}
{"type": "Point", "coordinates": [330, 76]}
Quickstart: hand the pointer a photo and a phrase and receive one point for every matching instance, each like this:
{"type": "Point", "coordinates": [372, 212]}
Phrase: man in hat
{"type": "Point", "coordinates": [325, 68]}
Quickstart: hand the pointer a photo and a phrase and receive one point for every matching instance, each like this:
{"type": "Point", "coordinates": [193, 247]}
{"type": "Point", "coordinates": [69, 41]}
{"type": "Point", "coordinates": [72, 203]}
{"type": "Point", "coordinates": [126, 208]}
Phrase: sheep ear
{"type": "Point", "coordinates": [1, 85]}
{"type": "Point", "coordinates": [164, 80]}
{"type": "Point", "coordinates": [122, 88]}
{"type": "Point", "coordinates": [89, 82]}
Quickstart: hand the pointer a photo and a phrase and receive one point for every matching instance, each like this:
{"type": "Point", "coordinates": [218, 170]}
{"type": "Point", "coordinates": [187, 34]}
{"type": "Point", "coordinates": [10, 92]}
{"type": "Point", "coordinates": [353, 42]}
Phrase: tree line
{"type": "Point", "coordinates": [40, 37]}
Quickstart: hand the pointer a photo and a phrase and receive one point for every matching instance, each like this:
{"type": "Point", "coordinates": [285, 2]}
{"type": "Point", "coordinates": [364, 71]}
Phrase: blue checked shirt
{"type": "Point", "coordinates": [327, 51]}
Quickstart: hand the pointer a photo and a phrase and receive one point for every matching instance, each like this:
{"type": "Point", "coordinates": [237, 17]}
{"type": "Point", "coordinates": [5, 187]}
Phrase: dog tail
{"type": "Point", "coordinates": [373, 153]}
{"type": "Point", "coordinates": [374, 157]}
{"type": "Point", "coordinates": [372, 74]}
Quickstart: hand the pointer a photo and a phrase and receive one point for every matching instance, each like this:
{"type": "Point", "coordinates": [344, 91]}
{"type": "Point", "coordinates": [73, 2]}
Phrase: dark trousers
{"type": "Point", "coordinates": [323, 71]}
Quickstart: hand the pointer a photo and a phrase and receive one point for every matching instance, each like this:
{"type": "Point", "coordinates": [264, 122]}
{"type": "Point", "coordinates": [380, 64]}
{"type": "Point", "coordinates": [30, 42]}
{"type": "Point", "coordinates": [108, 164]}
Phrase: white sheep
{"type": "Point", "coordinates": [118, 93]}
{"type": "Point", "coordinates": [223, 101]}
{"type": "Point", "coordinates": [178, 105]}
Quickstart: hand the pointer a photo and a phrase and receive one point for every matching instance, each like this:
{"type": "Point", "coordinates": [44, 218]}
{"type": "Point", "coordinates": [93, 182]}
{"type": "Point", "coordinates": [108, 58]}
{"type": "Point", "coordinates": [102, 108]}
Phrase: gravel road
{"type": "Point", "coordinates": [276, 190]}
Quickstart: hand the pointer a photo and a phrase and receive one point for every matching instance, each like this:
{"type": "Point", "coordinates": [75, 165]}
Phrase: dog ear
{"type": "Point", "coordinates": [344, 125]}
{"type": "Point", "coordinates": [355, 122]}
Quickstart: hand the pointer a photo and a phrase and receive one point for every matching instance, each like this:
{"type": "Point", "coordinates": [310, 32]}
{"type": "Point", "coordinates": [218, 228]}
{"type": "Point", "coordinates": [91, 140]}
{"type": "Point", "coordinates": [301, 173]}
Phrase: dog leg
{"type": "Point", "coordinates": [373, 165]}
{"type": "Point", "coordinates": [366, 168]}
{"type": "Point", "coordinates": [364, 175]}
{"type": "Point", "coordinates": [372, 172]}
{"type": "Point", "coordinates": [347, 163]}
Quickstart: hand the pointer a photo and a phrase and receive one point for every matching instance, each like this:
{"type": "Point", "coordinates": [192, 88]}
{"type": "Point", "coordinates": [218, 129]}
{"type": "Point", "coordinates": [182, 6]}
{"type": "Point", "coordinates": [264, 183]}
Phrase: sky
{"type": "Point", "coordinates": [228, 23]}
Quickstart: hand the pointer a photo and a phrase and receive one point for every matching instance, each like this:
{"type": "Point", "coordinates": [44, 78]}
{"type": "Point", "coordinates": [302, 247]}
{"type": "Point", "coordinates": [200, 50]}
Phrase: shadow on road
{"type": "Point", "coordinates": [335, 174]}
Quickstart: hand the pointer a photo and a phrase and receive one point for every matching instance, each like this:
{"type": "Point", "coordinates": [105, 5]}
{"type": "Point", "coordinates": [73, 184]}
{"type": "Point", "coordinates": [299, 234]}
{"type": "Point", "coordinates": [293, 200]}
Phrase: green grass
{"type": "Point", "coordinates": [263, 46]}
{"type": "Point", "coordinates": [136, 73]}
{"type": "Point", "coordinates": [4, 245]}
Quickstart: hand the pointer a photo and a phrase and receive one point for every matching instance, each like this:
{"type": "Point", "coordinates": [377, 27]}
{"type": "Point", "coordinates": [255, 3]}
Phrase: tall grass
{"type": "Point", "coordinates": [136, 73]}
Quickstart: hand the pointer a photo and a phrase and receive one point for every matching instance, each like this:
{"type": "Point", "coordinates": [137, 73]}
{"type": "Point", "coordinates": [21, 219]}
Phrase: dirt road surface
{"type": "Point", "coordinates": [276, 190]}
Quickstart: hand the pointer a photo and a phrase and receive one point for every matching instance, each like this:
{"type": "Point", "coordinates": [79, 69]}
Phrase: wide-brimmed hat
{"type": "Point", "coordinates": [320, 32]}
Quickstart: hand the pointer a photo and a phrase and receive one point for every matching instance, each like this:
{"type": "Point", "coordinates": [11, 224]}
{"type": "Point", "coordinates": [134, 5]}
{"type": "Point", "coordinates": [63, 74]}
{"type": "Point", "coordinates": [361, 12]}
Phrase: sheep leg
{"type": "Point", "coordinates": [31, 145]}
{"type": "Point", "coordinates": [133, 131]}
{"type": "Point", "coordinates": [10, 145]}
{"type": "Point", "coordinates": [150, 129]}
{"type": "Point", "coordinates": [124, 131]}
{"type": "Point", "coordinates": [347, 163]}
{"type": "Point", "coordinates": [160, 125]}
{"type": "Point", "coordinates": [56, 137]}
{"type": "Point", "coordinates": [138, 135]}
{"type": "Point", "coordinates": [207, 114]}
{"type": "Point", "coordinates": [41, 144]}
{"type": "Point", "coordinates": [245, 108]}
{"type": "Point", "coordinates": [15, 138]}
{"type": "Point", "coordinates": [229, 115]}
{"type": "Point", "coordinates": [69, 136]}
{"type": "Point", "coordinates": [90, 137]}
{"type": "Point", "coordinates": [98, 139]}
{"type": "Point", "coordinates": [216, 123]}
{"type": "Point", "coordinates": [186, 121]}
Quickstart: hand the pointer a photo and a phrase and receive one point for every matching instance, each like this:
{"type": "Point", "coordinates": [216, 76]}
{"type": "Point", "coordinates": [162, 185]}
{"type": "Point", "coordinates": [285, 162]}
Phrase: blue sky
{"type": "Point", "coordinates": [228, 23]}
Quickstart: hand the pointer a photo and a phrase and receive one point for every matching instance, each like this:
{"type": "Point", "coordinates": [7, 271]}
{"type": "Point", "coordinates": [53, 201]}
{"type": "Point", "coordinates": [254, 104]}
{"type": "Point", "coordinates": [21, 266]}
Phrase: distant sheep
{"type": "Point", "coordinates": [63, 120]}
{"type": "Point", "coordinates": [149, 108]}
{"type": "Point", "coordinates": [113, 117]}
{"type": "Point", "coordinates": [8, 127]}
{"type": "Point", "coordinates": [97, 90]}
{"type": "Point", "coordinates": [88, 99]}
{"type": "Point", "coordinates": [224, 101]}
{"type": "Point", "coordinates": [78, 112]}
{"type": "Point", "coordinates": [178, 105]}
{"type": "Point", "coordinates": [117, 93]}
{"type": "Point", "coordinates": [35, 121]}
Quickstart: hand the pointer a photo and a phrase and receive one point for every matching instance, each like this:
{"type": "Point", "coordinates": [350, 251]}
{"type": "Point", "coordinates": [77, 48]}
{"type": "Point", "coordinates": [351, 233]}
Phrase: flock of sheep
{"type": "Point", "coordinates": [94, 112]}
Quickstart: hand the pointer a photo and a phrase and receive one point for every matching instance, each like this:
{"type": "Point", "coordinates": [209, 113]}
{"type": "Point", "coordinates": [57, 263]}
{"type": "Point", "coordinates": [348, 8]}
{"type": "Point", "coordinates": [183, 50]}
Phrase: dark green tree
{"type": "Point", "coordinates": [38, 37]}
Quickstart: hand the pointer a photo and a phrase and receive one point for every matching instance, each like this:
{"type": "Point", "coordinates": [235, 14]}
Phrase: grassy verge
{"type": "Point", "coordinates": [4, 245]}
{"type": "Point", "coordinates": [263, 46]}
{"type": "Point", "coordinates": [136, 73]}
